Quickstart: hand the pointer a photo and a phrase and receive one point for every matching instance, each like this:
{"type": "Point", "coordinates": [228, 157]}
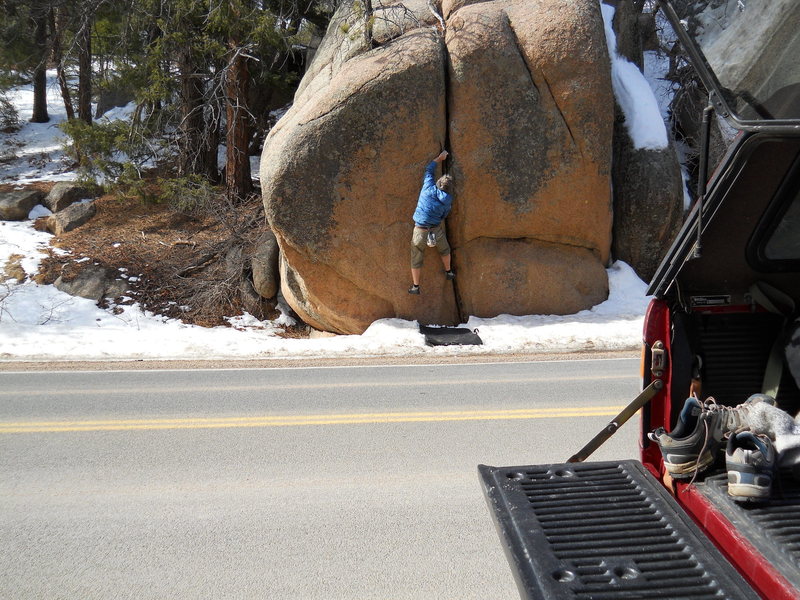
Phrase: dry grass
{"type": "Point", "coordinates": [193, 266]}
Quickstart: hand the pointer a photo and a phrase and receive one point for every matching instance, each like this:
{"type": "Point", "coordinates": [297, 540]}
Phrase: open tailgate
{"type": "Point", "coordinates": [602, 530]}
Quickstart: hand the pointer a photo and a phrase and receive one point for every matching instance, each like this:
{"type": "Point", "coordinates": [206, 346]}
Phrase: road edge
{"type": "Point", "coordinates": [302, 362]}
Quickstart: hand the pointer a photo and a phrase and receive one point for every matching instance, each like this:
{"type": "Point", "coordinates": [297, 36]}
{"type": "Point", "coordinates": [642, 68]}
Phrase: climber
{"type": "Point", "coordinates": [433, 206]}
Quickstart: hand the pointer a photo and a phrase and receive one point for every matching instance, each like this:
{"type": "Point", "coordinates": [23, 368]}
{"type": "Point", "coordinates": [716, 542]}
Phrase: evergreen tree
{"type": "Point", "coordinates": [38, 16]}
{"type": "Point", "coordinates": [24, 47]}
{"type": "Point", "coordinates": [202, 70]}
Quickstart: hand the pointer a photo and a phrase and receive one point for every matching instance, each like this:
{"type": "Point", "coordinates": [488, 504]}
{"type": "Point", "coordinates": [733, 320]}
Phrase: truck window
{"type": "Point", "coordinates": [784, 243]}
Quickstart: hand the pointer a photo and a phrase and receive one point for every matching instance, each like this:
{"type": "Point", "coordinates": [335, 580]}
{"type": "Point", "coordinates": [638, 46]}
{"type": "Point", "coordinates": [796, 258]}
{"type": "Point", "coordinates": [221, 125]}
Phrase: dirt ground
{"type": "Point", "coordinates": [193, 266]}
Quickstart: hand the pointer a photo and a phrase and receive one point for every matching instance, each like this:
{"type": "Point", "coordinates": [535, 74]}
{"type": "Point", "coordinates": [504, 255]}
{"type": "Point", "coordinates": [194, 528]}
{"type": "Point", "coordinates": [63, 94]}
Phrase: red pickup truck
{"type": "Point", "coordinates": [721, 327]}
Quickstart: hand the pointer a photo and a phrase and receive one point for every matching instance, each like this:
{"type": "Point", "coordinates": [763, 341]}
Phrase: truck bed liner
{"type": "Point", "coordinates": [772, 528]}
{"type": "Point", "coordinates": [603, 531]}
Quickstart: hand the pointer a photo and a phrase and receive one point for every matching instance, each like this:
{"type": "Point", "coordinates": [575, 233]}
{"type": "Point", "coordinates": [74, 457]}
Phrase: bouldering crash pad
{"type": "Point", "coordinates": [450, 336]}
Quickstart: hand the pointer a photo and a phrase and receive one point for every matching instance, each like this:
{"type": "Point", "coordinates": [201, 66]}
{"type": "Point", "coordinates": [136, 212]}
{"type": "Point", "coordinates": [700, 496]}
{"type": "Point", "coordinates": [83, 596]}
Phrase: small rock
{"type": "Point", "coordinates": [264, 264]}
{"type": "Point", "coordinates": [93, 282]}
{"type": "Point", "coordinates": [252, 302]}
{"type": "Point", "coordinates": [70, 218]}
{"type": "Point", "coordinates": [16, 205]}
{"type": "Point", "coordinates": [65, 193]}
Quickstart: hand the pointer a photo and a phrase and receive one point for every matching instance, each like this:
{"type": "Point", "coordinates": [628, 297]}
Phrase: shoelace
{"type": "Point", "coordinates": [729, 414]}
{"type": "Point", "coordinates": [734, 417]}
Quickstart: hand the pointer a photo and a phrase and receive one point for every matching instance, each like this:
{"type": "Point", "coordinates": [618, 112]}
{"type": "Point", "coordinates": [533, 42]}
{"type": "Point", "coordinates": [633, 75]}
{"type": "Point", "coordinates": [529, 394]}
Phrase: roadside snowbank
{"type": "Point", "coordinates": [38, 322]}
{"type": "Point", "coordinates": [41, 323]}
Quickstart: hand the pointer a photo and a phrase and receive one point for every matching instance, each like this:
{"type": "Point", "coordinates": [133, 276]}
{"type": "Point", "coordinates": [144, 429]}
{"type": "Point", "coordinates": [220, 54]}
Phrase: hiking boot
{"type": "Point", "coordinates": [750, 459]}
{"type": "Point", "coordinates": [450, 275]}
{"type": "Point", "coordinates": [414, 289]}
{"type": "Point", "coordinates": [696, 440]}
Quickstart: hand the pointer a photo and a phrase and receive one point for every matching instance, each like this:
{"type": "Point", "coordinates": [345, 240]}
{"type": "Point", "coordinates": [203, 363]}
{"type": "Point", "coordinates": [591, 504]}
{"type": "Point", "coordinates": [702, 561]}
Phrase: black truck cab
{"type": "Point", "coordinates": [722, 324]}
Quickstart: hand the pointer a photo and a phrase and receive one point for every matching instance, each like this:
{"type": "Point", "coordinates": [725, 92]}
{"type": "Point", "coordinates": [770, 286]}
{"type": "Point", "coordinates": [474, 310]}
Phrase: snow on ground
{"type": "Point", "coordinates": [37, 146]}
{"type": "Point", "coordinates": [38, 322]}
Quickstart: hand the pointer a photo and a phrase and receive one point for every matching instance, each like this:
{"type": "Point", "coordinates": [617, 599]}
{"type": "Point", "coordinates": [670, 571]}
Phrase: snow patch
{"type": "Point", "coordinates": [643, 118]}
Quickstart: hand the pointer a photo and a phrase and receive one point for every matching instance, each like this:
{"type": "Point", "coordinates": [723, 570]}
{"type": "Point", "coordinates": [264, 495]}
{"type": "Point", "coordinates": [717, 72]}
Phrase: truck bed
{"type": "Point", "coordinates": [772, 528]}
{"type": "Point", "coordinates": [603, 530]}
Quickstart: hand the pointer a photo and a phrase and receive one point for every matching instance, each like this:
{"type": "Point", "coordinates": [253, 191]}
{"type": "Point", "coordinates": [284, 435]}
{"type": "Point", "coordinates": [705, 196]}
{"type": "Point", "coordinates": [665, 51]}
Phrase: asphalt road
{"type": "Point", "coordinates": [311, 483]}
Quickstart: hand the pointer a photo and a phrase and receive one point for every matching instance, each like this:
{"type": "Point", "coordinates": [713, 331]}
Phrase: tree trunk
{"type": "Point", "coordinates": [39, 14]}
{"type": "Point", "coordinates": [190, 141]}
{"type": "Point", "coordinates": [57, 33]}
{"type": "Point", "coordinates": [211, 145]}
{"type": "Point", "coordinates": [238, 180]}
{"type": "Point", "coordinates": [368, 18]}
{"type": "Point", "coordinates": [84, 40]}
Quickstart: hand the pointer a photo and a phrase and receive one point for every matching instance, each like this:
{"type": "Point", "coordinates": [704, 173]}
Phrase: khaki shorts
{"type": "Point", "coordinates": [419, 243]}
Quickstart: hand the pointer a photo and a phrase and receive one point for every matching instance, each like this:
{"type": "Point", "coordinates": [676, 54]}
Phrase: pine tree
{"type": "Point", "coordinates": [39, 10]}
{"type": "Point", "coordinates": [24, 47]}
{"type": "Point", "coordinates": [202, 70]}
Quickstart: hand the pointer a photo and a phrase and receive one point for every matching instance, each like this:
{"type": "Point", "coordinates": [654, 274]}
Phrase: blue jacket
{"type": "Point", "coordinates": [433, 204]}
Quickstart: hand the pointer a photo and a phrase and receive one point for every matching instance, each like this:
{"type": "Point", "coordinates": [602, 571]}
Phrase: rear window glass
{"type": "Point", "coordinates": [753, 48]}
{"type": "Point", "coordinates": [784, 243]}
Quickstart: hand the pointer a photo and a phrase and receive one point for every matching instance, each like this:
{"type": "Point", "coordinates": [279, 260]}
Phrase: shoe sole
{"type": "Point", "coordinates": [744, 492]}
{"type": "Point", "coordinates": [687, 470]}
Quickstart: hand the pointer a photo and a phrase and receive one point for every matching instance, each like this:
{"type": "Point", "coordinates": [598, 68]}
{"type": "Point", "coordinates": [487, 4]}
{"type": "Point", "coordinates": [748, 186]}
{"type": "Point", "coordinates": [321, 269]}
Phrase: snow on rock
{"type": "Point", "coordinates": [643, 118]}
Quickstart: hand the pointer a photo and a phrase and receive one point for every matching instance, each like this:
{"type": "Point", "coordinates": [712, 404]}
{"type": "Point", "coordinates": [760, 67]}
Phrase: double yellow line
{"type": "Point", "coordinates": [305, 420]}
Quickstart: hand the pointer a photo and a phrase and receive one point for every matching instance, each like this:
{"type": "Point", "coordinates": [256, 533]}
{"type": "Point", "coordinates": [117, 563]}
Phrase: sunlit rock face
{"type": "Point", "coordinates": [518, 92]}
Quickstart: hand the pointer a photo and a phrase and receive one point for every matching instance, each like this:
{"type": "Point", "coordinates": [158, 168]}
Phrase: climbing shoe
{"type": "Point", "coordinates": [450, 275]}
{"type": "Point", "coordinates": [750, 459]}
{"type": "Point", "coordinates": [414, 289]}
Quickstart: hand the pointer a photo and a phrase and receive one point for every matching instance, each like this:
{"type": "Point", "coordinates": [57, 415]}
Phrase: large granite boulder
{"type": "Point", "coordinates": [340, 176]}
{"type": "Point", "coordinates": [519, 92]}
{"type": "Point", "coordinates": [648, 202]}
{"type": "Point", "coordinates": [531, 112]}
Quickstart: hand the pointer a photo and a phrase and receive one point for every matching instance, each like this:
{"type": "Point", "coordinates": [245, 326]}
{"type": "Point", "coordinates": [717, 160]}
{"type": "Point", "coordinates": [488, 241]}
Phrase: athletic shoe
{"type": "Point", "coordinates": [691, 446]}
{"type": "Point", "coordinates": [450, 275]}
{"type": "Point", "coordinates": [694, 443]}
{"type": "Point", "coordinates": [414, 289]}
{"type": "Point", "coordinates": [750, 459]}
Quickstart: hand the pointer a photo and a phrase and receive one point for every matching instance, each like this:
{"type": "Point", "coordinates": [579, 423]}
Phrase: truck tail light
{"type": "Point", "coordinates": [656, 323]}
